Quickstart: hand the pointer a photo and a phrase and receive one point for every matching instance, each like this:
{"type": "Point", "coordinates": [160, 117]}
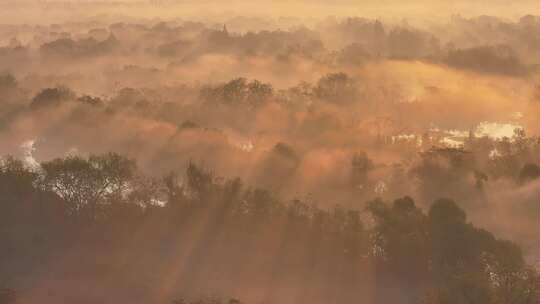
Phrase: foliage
{"type": "Point", "coordinates": [103, 209]}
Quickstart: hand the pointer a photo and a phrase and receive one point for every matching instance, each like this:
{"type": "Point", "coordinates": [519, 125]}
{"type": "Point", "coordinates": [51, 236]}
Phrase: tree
{"type": "Point", "coordinates": [361, 165]}
{"type": "Point", "coordinates": [235, 90]}
{"type": "Point", "coordinates": [471, 266]}
{"type": "Point", "coordinates": [464, 287]}
{"type": "Point", "coordinates": [451, 239]}
{"type": "Point", "coordinates": [400, 236]}
{"type": "Point", "coordinates": [238, 92]}
{"type": "Point", "coordinates": [514, 281]}
{"type": "Point", "coordinates": [15, 178]}
{"type": "Point", "coordinates": [199, 182]}
{"type": "Point", "coordinates": [88, 183]}
{"type": "Point", "coordinates": [52, 97]}
{"type": "Point", "coordinates": [258, 92]}
{"type": "Point", "coordinates": [173, 188]}
{"type": "Point", "coordinates": [337, 87]}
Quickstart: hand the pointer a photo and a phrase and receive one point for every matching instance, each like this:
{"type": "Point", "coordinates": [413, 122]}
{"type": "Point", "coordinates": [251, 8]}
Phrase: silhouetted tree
{"type": "Point", "coordinates": [52, 97]}
{"type": "Point", "coordinates": [338, 87]}
{"type": "Point", "coordinates": [87, 184]}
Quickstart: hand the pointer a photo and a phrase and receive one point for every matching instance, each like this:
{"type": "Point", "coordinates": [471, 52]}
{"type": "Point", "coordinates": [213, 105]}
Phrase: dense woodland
{"type": "Point", "coordinates": [94, 227]}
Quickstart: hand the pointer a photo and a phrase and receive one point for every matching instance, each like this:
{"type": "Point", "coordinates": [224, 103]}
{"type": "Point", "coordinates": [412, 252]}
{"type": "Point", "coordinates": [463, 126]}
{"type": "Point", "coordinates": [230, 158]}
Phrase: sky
{"type": "Point", "coordinates": [48, 11]}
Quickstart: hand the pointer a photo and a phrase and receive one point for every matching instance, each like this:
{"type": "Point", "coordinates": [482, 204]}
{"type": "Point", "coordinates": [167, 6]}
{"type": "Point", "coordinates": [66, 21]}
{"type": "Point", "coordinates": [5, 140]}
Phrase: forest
{"type": "Point", "coordinates": [194, 153]}
{"type": "Point", "coordinates": [94, 228]}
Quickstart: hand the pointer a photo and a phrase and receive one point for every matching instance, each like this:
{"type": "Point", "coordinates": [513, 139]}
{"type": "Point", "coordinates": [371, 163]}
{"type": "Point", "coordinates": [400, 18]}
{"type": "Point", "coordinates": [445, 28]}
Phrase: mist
{"type": "Point", "coordinates": [269, 152]}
